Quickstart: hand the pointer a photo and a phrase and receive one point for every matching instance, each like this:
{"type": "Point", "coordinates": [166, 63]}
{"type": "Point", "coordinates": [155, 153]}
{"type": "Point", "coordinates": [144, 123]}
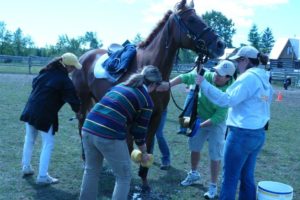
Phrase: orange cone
{"type": "Point", "coordinates": [279, 96]}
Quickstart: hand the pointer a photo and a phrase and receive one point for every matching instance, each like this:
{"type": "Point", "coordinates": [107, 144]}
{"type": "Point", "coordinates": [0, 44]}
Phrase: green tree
{"type": "Point", "coordinates": [66, 44]}
{"type": "Point", "coordinates": [137, 39]}
{"type": "Point", "coordinates": [90, 38]}
{"type": "Point", "coordinates": [223, 26]}
{"type": "Point", "coordinates": [21, 44]}
{"type": "Point", "coordinates": [254, 37]}
{"type": "Point", "coordinates": [186, 56]}
{"type": "Point", "coordinates": [267, 41]}
{"type": "Point", "coordinates": [6, 39]}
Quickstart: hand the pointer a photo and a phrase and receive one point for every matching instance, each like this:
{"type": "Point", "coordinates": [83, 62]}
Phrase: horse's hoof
{"type": "Point", "coordinates": [145, 189]}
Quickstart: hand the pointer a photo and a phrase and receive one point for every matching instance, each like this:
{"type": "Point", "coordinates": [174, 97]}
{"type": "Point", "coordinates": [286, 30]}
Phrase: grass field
{"type": "Point", "coordinates": [21, 69]}
{"type": "Point", "coordinates": [278, 161]}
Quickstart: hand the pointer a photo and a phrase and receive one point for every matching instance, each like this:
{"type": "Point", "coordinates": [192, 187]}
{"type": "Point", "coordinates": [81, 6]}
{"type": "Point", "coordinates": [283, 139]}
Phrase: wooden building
{"type": "Point", "coordinates": [285, 54]}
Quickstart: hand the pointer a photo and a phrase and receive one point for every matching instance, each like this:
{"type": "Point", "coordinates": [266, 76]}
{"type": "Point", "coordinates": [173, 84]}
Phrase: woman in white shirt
{"type": "Point", "coordinates": [248, 99]}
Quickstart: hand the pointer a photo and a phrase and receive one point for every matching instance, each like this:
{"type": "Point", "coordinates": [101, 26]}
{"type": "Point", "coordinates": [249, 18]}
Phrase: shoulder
{"type": "Point", "coordinates": [246, 76]}
{"type": "Point", "coordinates": [127, 91]}
{"type": "Point", "coordinates": [247, 80]}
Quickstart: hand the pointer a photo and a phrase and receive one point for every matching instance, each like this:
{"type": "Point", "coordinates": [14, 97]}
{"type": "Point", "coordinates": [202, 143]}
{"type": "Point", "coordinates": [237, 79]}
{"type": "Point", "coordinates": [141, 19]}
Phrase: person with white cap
{"type": "Point", "coordinates": [51, 89]}
{"type": "Point", "coordinates": [212, 127]}
{"type": "Point", "coordinates": [248, 99]}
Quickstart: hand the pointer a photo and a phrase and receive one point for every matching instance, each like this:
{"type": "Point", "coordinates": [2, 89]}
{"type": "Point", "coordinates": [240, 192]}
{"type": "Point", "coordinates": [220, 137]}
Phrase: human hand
{"type": "Point", "coordinates": [163, 87]}
{"type": "Point", "coordinates": [147, 160]}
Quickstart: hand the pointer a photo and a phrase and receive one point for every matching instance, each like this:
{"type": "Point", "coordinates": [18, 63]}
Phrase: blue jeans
{"type": "Point", "coordinates": [189, 109]}
{"type": "Point", "coordinates": [241, 149]}
{"type": "Point", "coordinates": [161, 141]}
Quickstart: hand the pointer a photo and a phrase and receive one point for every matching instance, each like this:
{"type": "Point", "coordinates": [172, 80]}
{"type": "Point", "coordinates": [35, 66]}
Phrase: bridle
{"type": "Point", "coordinates": [200, 44]}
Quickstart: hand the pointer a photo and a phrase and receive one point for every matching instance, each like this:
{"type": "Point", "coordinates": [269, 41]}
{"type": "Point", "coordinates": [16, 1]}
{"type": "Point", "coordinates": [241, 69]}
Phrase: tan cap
{"type": "Point", "coordinates": [71, 60]}
{"type": "Point", "coordinates": [245, 51]}
{"type": "Point", "coordinates": [225, 67]}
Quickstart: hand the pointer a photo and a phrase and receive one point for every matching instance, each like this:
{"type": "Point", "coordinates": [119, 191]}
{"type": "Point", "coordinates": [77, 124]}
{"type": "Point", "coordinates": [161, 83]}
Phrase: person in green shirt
{"type": "Point", "coordinates": [212, 127]}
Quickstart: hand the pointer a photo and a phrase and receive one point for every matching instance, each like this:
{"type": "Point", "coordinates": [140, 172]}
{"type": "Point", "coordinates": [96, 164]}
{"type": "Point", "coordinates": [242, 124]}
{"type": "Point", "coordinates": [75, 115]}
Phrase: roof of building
{"type": "Point", "coordinates": [281, 43]}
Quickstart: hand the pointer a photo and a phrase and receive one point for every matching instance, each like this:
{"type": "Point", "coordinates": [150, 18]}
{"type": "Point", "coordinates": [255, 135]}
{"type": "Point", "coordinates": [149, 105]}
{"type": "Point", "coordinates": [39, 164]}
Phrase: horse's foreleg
{"type": "Point", "coordinates": [143, 171]}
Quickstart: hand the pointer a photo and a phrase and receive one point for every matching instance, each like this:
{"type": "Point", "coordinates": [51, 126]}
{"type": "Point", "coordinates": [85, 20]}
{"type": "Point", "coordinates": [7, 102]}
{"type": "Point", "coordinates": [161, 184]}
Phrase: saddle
{"type": "Point", "coordinates": [119, 58]}
{"type": "Point", "coordinates": [114, 47]}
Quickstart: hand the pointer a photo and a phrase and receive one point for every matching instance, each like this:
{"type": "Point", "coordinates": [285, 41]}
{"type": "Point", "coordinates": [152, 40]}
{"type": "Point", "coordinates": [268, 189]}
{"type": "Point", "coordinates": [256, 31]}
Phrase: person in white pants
{"type": "Point", "coordinates": [47, 147]}
{"type": "Point", "coordinates": [51, 89]}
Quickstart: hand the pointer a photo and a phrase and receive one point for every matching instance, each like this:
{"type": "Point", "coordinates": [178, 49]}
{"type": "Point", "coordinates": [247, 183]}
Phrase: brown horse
{"type": "Point", "coordinates": [181, 28]}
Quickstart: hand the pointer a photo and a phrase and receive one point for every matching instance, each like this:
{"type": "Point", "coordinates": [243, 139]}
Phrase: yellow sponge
{"type": "Point", "coordinates": [136, 156]}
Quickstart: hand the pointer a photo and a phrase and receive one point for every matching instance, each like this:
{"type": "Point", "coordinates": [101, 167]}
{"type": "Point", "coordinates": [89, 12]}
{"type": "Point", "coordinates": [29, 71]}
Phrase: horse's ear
{"type": "Point", "coordinates": [191, 4]}
{"type": "Point", "coordinates": [180, 5]}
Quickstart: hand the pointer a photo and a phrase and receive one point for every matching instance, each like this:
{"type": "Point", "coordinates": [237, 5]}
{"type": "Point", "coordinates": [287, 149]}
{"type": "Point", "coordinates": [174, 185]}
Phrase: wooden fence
{"type": "Point", "coordinates": [23, 61]}
{"type": "Point", "coordinates": [279, 74]}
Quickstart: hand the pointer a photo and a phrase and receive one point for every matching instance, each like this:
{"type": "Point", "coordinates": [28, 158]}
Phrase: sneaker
{"type": "Point", "coordinates": [27, 170]}
{"type": "Point", "coordinates": [191, 178]}
{"type": "Point", "coordinates": [212, 192]}
{"type": "Point", "coordinates": [165, 166]}
{"type": "Point", "coordinates": [46, 180]}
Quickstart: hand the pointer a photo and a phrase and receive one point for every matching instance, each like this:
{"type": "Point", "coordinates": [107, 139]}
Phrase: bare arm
{"type": "Point", "coordinates": [206, 123]}
{"type": "Point", "coordinates": [165, 86]}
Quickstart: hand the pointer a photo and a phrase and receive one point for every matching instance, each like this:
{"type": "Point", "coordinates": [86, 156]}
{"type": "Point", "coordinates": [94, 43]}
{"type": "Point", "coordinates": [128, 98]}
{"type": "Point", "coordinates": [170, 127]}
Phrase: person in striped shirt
{"type": "Point", "coordinates": [126, 108]}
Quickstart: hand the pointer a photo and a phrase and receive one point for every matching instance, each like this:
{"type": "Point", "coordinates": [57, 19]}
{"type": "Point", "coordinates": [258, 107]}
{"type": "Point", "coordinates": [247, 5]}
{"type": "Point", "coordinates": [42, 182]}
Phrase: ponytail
{"type": "Point", "coordinates": [261, 59]}
{"type": "Point", "coordinates": [135, 80]}
{"type": "Point", "coordinates": [149, 75]}
{"type": "Point", "coordinates": [54, 63]}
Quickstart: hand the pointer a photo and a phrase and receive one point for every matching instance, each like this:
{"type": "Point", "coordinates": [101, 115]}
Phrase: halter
{"type": "Point", "coordinates": [201, 50]}
{"type": "Point", "coordinates": [201, 45]}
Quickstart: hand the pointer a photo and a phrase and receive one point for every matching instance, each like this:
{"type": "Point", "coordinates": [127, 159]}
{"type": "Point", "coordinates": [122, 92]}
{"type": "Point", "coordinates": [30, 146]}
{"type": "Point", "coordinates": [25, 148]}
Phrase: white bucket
{"type": "Point", "coordinates": [269, 190]}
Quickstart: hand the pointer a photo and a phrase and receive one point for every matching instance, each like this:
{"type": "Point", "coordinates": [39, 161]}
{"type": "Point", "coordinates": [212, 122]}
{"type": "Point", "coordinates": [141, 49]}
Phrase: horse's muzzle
{"type": "Point", "coordinates": [219, 49]}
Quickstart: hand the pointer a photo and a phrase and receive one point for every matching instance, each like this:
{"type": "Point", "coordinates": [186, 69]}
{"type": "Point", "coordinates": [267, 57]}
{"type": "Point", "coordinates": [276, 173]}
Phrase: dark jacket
{"type": "Point", "coordinates": [51, 89]}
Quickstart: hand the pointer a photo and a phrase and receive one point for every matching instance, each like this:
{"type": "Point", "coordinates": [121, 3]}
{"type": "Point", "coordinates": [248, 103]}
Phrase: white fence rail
{"type": "Point", "coordinates": [282, 74]}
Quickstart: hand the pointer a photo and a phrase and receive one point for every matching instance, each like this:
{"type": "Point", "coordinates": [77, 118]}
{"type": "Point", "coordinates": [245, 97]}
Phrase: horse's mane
{"type": "Point", "coordinates": [156, 30]}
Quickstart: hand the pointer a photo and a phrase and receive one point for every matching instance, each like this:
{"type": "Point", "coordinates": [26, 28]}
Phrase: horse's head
{"type": "Point", "coordinates": [193, 33]}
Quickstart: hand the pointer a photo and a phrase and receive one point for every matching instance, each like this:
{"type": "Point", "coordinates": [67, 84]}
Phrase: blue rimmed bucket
{"type": "Point", "coordinates": [270, 190]}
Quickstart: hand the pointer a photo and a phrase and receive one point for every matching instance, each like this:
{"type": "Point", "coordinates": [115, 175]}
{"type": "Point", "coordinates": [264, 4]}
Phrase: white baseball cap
{"type": "Point", "coordinates": [245, 51]}
{"type": "Point", "coordinates": [71, 59]}
{"type": "Point", "coordinates": [225, 67]}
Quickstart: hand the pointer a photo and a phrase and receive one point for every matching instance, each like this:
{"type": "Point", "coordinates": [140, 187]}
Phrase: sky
{"type": "Point", "coordinates": [114, 21]}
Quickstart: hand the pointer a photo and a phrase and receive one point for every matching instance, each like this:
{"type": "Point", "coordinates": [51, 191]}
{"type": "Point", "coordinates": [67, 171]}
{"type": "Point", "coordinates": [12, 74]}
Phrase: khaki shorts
{"type": "Point", "coordinates": [215, 135]}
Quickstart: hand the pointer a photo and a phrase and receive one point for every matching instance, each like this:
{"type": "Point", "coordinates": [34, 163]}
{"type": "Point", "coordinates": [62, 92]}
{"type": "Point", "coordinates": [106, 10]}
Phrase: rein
{"type": "Point", "coordinates": [200, 61]}
{"type": "Point", "coordinates": [201, 45]}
